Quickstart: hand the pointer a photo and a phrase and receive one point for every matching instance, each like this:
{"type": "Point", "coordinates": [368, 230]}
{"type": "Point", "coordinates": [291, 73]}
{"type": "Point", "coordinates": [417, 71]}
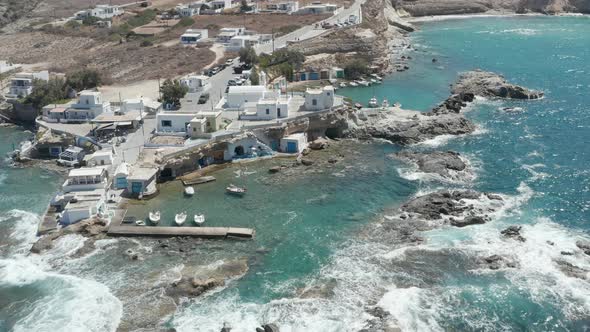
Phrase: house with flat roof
{"type": "Point", "coordinates": [194, 124]}
{"type": "Point", "coordinates": [79, 206]}
{"type": "Point", "coordinates": [196, 83]}
{"type": "Point", "coordinates": [101, 11]}
{"type": "Point", "coordinates": [286, 7]}
{"type": "Point", "coordinates": [193, 36]}
{"type": "Point", "coordinates": [238, 42]}
{"type": "Point", "coordinates": [237, 96]}
{"type": "Point", "coordinates": [267, 109]}
{"type": "Point", "coordinates": [86, 179]}
{"type": "Point", "coordinates": [71, 157]}
{"type": "Point", "coordinates": [21, 84]}
{"type": "Point", "coordinates": [318, 8]}
{"type": "Point", "coordinates": [141, 181]}
{"type": "Point", "coordinates": [87, 107]}
{"type": "Point", "coordinates": [226, 34]}
{"type": "Point", "coordinates": [294, 143]}
{"type": "Point", "coordinates": [319, 99]}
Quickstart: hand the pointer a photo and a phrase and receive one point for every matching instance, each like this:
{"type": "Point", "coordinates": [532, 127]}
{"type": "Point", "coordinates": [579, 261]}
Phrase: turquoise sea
{"type": "Point", "coordinates": [319, 226]}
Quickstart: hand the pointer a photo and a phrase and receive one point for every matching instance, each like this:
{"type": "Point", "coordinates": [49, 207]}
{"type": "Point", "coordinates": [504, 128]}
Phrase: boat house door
{"type": "Point", "coordinates": [291, 147]}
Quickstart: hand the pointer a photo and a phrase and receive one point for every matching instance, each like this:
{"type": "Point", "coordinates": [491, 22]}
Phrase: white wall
{"type": "Point", "coordinates": [299, 139]}
{"type": "Point", "coordinates": [177, 121]}
{"type": "Point", "coordinates": [237, 99]}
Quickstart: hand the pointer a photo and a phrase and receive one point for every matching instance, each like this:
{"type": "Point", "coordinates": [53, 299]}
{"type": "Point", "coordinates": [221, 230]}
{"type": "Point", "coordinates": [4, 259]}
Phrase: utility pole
{"type": "Point", "coordinates": [273, 39]}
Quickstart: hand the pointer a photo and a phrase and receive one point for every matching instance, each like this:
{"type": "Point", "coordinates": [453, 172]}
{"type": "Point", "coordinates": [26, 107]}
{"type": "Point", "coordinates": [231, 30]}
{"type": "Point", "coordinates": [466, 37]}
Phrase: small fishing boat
{"type": "Point", "coordinates": [189, 191]}
{"type": "Point", "coordinates": [385, 103]}
{"type": "Point", "coordinates": [140, 223]}
{"type": "Point", "coordinates": [154, 217]}
{"type": "Point", "coordinates": [199, 219]}
{"type": "Point", "coordinates": [397, 104]}
{"type": "Point", "coordinates": [379, 78]}
{"type": "Point", "coordinates": [363, 82]}
{"type": "Point", "coordinates": [373, 102]}
{"type": "Point", "coordinates": [180, 218]}
{"type": "Point", "coordinates": [375, 81]}
{"type": "Point", "coordinates": [343, 85]}
{"type": "Point", "coordinates": [235, 190]}
{"type": "Point", "coordinates": [357, 105]}
{"type": "Point", "coordinates": [353, 84]}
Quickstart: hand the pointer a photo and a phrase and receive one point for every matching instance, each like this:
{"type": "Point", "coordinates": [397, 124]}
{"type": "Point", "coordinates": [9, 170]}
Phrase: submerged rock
{"type": "Point", "coordinates": [322, 291]}
{"type": "Point", "coordinates": [496, 262]}
{"type": "Point", "coordinates": [319, 144]}
{"type": "Point", "coordinates": [572, 270]}
{"type": "Point", "coordinates": [584, 245]}
{"type": "Point", "coordinates": [434, 162]}
{"type": "Point", "coordinates": [514, 233]}
{"type": "Point", "coordinates": [476, 220]}
{"type": "Point", "coordinates": [274, 169]}
{"type": "Point", "coordinates": [437, 204]}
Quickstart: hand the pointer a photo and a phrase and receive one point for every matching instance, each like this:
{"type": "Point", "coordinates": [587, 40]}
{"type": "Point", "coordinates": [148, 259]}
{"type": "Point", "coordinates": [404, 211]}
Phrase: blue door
{"type": "Point", "coordinates": [121, 183]}
{"type": "Point", "coordinates": [314, 76]}
{"type": "Point", "coordinates": [136, 187]}
{"type": "Point", "coordinates": [292, 147]}
{"type": "Point", "coordinates": [303, 77]}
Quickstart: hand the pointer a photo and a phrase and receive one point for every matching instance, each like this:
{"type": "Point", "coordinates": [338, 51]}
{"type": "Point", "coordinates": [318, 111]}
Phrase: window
{"type": "Point", "coordinates": [166, 123]}
{"type": "Point", "coordinates": [314, 102]}
{"type": "Point", "coordinates": [328, 94]}
{"type": "Point", "coordinates": [267, 111]}
{"type": "Point", "coordinates": [194, 129]}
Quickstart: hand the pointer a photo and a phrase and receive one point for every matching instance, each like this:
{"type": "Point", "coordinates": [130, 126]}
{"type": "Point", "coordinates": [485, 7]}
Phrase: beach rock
{"type": "Point", "coordinates": [487, 84]}
{"type": "Point", "coordinates": [321, 291]}
{"type": "Point", "coordinates": [44, 243]}
{"type": "Point", "coordinates": [445, 202]}
{"type": "Point", "coordinates": [332, 160]}
{"type": "Point", "coordinates": [454, 103]}
{"type": "Point", "coordinates": [306, 151]}
{"type": "Point", "coordinates": [514, 233]}
{"type": "Point", "coordinates": [496, 262]}
{"type": "Point", "coordinates": [572, 270]}
{"type": "Point", "coordinates": [319, 144]}
{"type": "Point", "coordinates": [259, 329]}
{"type": "Point", "coordinates": [434, 162]}
{"type": "Point", "coordinates": [307, 162]}
{"type": "Point", "coordinates": [271, 327]}
{"type": "Point", "coordinates": [274, 169]}
{"type": "Point", "coordinates": [467, 221]}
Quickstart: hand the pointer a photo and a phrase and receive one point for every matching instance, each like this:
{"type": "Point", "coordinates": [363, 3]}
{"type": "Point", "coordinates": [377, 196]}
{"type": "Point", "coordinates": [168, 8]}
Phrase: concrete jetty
{"type": "Point", "coordinates": [164, 231]}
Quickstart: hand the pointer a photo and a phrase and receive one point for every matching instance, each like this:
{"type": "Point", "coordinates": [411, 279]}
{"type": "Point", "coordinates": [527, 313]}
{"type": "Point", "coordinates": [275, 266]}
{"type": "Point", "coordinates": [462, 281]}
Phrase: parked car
{"type": "Point", "coordinates": [238, 70]}
{"type": "Point", "coordinates": [203, 98]}
{"type": "Point", "coordinates": [232, 83]}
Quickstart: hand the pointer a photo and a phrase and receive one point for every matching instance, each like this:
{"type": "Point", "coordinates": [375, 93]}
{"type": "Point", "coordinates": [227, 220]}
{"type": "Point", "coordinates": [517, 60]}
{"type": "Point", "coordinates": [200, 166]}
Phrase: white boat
{"type": "Point", "coordinates": [377, 77]}
{"type": "Point", "coordinates": [397, 104]}
{"type": "Point", "coordinates": [343, 85]}
{"type": "Point", "coordinates": [375, 81]}
{"type": "Point", "coordinates": [353, 84]}
{"type": "Point", "coordinates": [154, 217]}
{"type": "Point", "coordinates": [199, 219]}
{"type": "Point", "coordinates": [140, 223]}
{"type": "Point", "coordinates": [363, 82]}
{"type": "Point", "coordinates": [189, 191]}
{"type": "Point", "coordinates": [180, 218]}
{"type": "Point", "coordinates": [373, 102]}
{"type": "Point", "coordinates": [385, 103]}
{"type": "Point", "coordinates": [235, 190]}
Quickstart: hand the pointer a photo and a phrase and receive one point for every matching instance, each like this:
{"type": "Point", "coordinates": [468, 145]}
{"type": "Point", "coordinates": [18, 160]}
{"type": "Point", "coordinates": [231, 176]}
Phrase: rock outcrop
{"type": "Point", "coordinates": [443, 203]}
{"type": "Point", "coordinates": [435, 162]}
{"type": "Point", "coordinates": [513, 232]}
{"type": "Point", "coordinates": [487, 84]}
{"type": "Point", "coordinates": [89, 228]}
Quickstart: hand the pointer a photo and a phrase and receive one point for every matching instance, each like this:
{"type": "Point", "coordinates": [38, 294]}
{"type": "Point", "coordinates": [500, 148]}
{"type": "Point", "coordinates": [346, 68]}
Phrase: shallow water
{"type": "Point", "coordinates": [318, 225]}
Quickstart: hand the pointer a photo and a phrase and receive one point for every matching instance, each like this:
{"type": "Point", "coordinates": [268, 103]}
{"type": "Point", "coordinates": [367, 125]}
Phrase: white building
{"type": "Point", "coordinates": [196, 83]}
{"type": "Point", "coordinates": [186, 11]}
{"type": "Point", "coordinates": [21, 85]}
{"type": "Point", "coordinates": [71, 157]}
{"type": "Point", "coordinates": [267, 109]}
{"type": "Point", "coordinates": [237, 96]}
{"type": "Point", "coordinates": [193, 36]}
{"type": "Point", "coordinates": [141, 181]}
{"type": "Point", "coordinates": [83, 205]}
{"type": "Point", "coordinates": [294, 143]}
{"type": "Point", "coordinates": [238, 42]}
{"type": "Point", "coordinates": [88, 106]}
{"type": "Point", "coordinates": [100, 158]}
{"type": "Point", "coordinates": [287, 7]}
{"type": "Point", "coordinates": [86, 179]}
{"type": "Point", "coordinates": [219, 5]}
{"type": "Point", "coordinates": [318, 8]}
{"type": "Point", "coordinates": [226, 34]}
{"type": "Point", "coordinates": [101, 11]}
{"type": "Point", "coordinates": [120, 176]}
{"type": "Point", "coordinates": [188, 123]}
{"type": "Point", "coordinates": [319, 99]}
{"type": "Point", "coordinates": [142, 105]}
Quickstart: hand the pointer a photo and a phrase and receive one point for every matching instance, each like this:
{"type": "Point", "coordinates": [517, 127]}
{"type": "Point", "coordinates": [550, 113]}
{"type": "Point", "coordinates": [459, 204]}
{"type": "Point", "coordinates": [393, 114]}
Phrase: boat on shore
{"type": "Point", "coordinates": [343, 85]}
{"type": "Point", "coordinates": [154, 217]}
{"type": "Point", "coordinates": [363, 82]}
{"type": "Point", "coordinates": [140, 223]}
{"type": "Point", "coordinates": [385, 103]}
{"type": "Point", "coordinates": [189, 191]}
{"type": "Point", "coordinates": [373, 103]}
{"type": "Point", "coordinates": [199, 219]}
{"type": "Point", "coordinates": [353, 84]}
{"type": "Point", "coordinates": [180, 218]}
{"type": "Point", "coordinates": [235, 190]}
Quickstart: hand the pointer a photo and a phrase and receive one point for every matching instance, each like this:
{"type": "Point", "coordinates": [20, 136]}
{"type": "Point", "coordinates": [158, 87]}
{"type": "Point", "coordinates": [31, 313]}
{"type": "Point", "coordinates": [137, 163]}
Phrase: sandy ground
{"type": "Point", "coordinates": [147, 88]}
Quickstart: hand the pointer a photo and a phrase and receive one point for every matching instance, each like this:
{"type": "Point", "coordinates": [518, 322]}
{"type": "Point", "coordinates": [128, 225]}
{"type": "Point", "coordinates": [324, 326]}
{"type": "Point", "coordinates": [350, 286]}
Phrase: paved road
{"type": "Point", "coordinates": [309, 31]}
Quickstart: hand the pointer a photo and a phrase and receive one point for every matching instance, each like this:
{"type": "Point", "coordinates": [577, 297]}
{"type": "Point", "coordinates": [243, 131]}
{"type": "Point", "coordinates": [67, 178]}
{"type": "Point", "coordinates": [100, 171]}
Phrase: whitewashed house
{"type": "Point", "coordinates": [141, 181]}
{"type": "Point", "coordinates": [286, 7]}
{"type": "Point", "coordinates": [241, 41]}
{"type": "Point", "coordinates": [226, 34]}
{"type": "Point", "coordinates": [319, 99]}
{"type": "Point", "coordinates": [318, 8]}
{"type": "Point", "coordinates": [21, 84]}
{"type": "Point", "coordinates": [101, 11]}
{"type": "Point", "coordinates": [86, 179]}
{"type": "Point", "coordinates": [196, 83]}
{"type": "Point", "coordinates": [267, 109]}
{"type": "Point", "coordinates": [6, 66]}
{"type": "Point", "coordinates": [88, 106]}
{"type": "Point", "coordinates": [71, 157]}
{"type": "Point", "coordinates": [186, 10]}
{"type": "Point", "coordinates": [193, 36]}
{"type": "Point", "coordinates": [237, 96]}
{"type": "Point", "coordinates": [294, 143]}
{"type": "Point", "coordinates": [120, 176]}
{"type": "Point", "coordinates": [83, 205]}
{"type": "Point", "coordinates": [100, 158]}
{"type": "Point", "coordinates": [193, 124]}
